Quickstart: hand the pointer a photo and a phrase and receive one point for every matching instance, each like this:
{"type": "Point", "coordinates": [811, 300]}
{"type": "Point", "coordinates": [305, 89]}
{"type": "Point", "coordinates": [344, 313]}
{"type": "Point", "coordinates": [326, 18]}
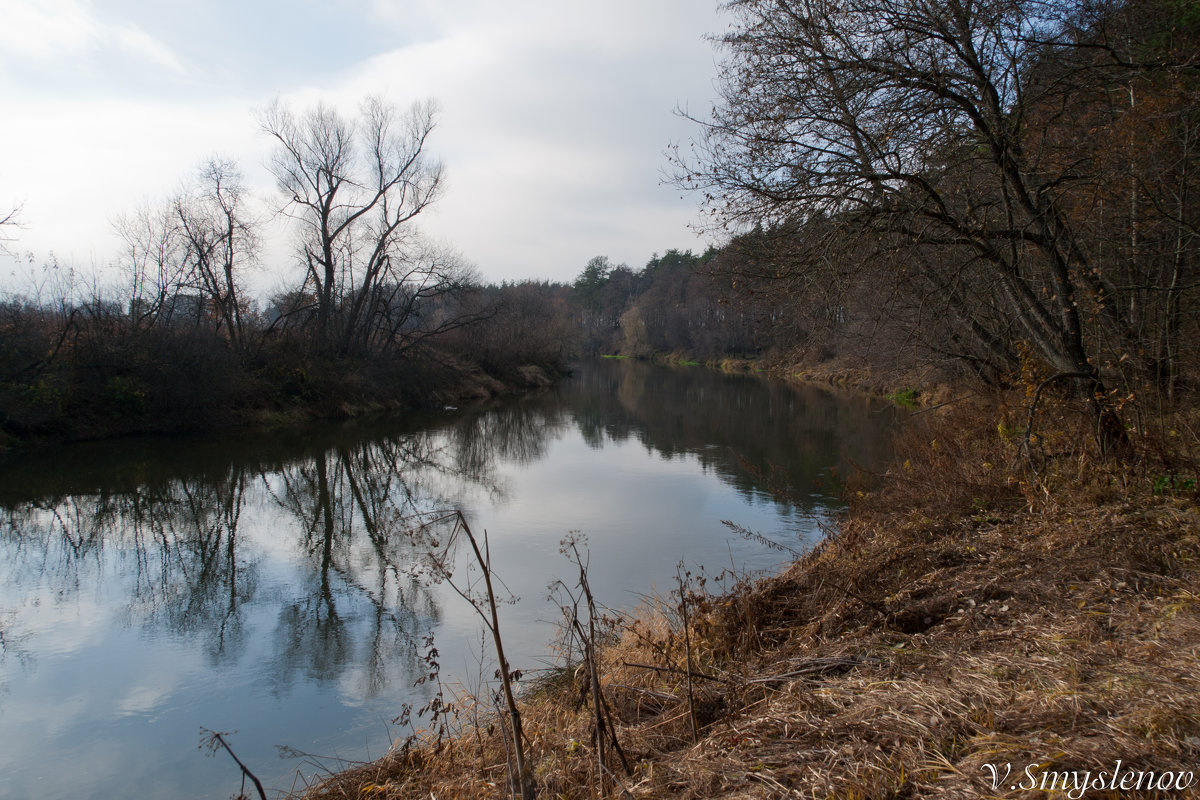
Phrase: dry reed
{"type": "Point", "coordinates": [969, 614]}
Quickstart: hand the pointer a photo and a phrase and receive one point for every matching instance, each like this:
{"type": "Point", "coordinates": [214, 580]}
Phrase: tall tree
{"type": "Point", "coordinates": [591, 282]}
{"type": "Point", "coordinates": [924, 129]}
{"type": "Point", "coordinates": [155, 265]}
{"type": "Point", "coordinates": [354, 186]}
{"type": "Point", "coordinates": [220, 241]}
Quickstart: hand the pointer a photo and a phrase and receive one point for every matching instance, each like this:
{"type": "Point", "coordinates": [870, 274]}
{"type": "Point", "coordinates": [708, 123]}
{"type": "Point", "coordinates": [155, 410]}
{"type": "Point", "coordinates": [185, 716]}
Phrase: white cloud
{"type": "Point", "coordinates": [144, 699]}
{"type": "Point", "coordinates": [53, 30]}
{"type": "Point", "coordinates": [553, 129]}
{"type": "Point", "coordinates": [555, 118]}
{"type": "Point", "coordinates": [80, 164]}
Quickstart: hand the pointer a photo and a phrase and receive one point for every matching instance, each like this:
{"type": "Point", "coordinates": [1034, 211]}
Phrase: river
{"type": "Point", "coordinates": [274, 585]}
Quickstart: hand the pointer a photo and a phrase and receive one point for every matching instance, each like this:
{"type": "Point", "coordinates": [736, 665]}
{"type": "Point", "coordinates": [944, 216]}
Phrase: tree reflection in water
{"type": "Point", "coordinates": [286, 565]}
{"type": "Point", "coordinates": [173, 548]}
{"type": "Point", "coordinates": [174, 544]}
{"type": "Point", "coordinates": [350, 505]}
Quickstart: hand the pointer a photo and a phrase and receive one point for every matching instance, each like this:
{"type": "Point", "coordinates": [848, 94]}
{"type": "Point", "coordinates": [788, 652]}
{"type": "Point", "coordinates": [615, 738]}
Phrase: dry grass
{"type": "Point", "coordinates": [969, 613]}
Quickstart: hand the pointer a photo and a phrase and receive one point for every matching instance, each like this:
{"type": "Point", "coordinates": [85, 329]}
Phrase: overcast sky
{"type": "Point", "coordinates": [555, 115]}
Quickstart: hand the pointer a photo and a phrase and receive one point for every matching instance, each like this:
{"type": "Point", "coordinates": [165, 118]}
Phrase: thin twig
{"type": "Point", "coordinates": [687, 649]}
{"type": "Point", "coordinates": [946, 403]}
{"type": "Point", "coordinates": [215, 737]}
{"type": "Point", "coordinates": [484, 559]}
{"type": "Point", "coordinates": [617, 781]}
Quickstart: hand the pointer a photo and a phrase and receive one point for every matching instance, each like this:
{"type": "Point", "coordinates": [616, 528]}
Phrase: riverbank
{"type": "Point", "coordinates": [169, 397]}
{"type": "Point", "coordinates": [987, 622]}
{"type": "Point", "coordinates": [907, 386]}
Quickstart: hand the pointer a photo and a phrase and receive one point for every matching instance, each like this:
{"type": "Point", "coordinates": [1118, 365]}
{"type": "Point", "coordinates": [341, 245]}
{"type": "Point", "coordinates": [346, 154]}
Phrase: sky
{"type": "Point", "coordinates": [555, 115]}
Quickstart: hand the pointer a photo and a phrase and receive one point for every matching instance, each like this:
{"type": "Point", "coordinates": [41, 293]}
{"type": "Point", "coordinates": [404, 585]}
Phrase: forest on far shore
{"type": "Point", "coordinates": [996, 194]}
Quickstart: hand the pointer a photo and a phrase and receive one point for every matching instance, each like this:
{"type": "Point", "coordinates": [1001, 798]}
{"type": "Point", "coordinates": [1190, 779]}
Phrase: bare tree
{"type": "Point", "coordinates": [9, 223]}
{"type": "Point", "coordinates": [925, 129]}
{"type": "Point", "coordinates": [353, 186]}
{"type": "Point", "coordinates": [185, 257]}
{"type": "Point", "coordinates": [220, 241]}
{"type": "Point", "coordinates": [155, 264]}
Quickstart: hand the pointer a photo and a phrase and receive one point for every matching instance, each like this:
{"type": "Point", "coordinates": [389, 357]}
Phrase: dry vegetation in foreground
{"type": "Point", "coordinates": [972, 612]}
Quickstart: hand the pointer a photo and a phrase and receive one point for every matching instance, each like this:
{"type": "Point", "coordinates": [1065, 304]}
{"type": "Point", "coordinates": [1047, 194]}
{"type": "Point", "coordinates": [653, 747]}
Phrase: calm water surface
{"type": "Point", "coordinates": [272, 586]}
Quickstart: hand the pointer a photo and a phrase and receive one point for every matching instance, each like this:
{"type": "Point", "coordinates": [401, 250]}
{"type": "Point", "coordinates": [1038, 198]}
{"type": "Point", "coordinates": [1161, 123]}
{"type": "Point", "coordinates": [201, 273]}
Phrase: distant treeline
{"type": "Point", "coordinates": [677, 303]}
{"type": "Point", "coordinates": [1005, 190]}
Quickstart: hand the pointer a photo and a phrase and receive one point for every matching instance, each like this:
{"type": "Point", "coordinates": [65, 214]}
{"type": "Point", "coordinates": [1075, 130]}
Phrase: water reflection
{"type": "Point", "coordinates": [350, 505]}
{"type": "Point", "coordinates": [174, 550]}
{"type": "Point", "coordinates": [174, 543]}
{"type": "Point", "coordinates": [285, 564]}
{"type": "Point", "coordinates": [802, 437]}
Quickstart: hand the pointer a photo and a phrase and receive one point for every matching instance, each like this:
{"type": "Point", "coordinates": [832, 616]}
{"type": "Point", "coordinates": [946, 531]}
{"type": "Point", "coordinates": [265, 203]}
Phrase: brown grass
{"type": "Point", "coordinates": [969, 613]}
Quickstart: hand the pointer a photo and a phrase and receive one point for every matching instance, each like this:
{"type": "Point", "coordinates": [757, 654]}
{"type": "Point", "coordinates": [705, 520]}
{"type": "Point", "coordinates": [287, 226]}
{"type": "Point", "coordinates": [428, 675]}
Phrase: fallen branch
{"type": "Point", "coordinates": [816, 665]}
{"type": "Point", "coordinates": [676, 671]}
{"type": "Point", "coordinates": [650, 692]}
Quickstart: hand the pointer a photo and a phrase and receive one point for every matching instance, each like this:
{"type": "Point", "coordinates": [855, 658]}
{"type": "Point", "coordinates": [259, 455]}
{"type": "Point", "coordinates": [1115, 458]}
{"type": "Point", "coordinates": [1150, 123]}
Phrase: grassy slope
{"type": "Point", "coordinates": [970, 612]}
